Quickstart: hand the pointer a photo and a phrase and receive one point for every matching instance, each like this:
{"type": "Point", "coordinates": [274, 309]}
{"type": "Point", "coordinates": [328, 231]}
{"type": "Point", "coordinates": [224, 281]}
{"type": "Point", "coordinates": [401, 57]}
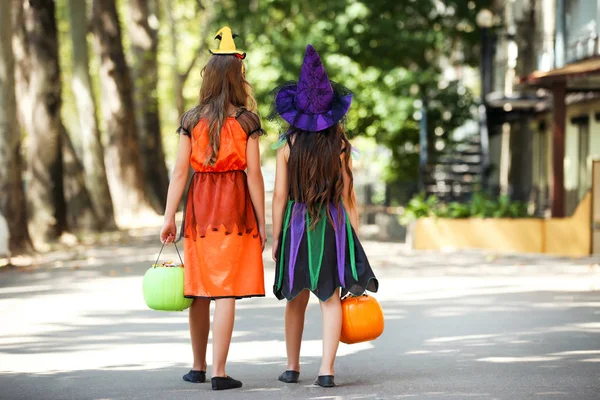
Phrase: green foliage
{"type": "Point", "coordinates": [454, 210]}
{"type": "Point", "coordinates": [480, 206]}
{"type": "Point", "coordinates": [420, 206]}
{"type": "Point", "coordinates": [447, 108]}
{"type": "Point", "coordinates": [510, 209]}
{"type": "Point", "coordinates": [388, 53]}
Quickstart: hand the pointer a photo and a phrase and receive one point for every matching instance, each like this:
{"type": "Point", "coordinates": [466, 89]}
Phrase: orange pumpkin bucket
{"type": "Point", "coordinates": [362, 319]}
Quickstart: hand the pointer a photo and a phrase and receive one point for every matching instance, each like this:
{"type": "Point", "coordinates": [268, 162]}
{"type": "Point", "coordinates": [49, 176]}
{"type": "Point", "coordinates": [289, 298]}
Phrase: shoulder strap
{"type": "Point", "coordinates": [189, 120]}
{"type": "Point", "coordinates": [250, 122]}
{"type": "Point", "coordinates": [240, 111]}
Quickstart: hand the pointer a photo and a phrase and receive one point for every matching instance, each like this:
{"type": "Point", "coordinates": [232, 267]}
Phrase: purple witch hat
{"type": "Point", "coordinates": [314, 103]}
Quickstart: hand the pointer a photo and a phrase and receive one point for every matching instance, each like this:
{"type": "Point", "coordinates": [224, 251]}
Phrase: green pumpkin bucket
{"type": "Point", "coordinates": [163, 286]}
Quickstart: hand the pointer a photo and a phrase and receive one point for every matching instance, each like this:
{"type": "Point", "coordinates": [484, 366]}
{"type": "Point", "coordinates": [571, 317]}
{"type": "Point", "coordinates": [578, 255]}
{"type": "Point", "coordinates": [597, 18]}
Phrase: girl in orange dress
{"type": "Point", "coordinates": [224, 223]}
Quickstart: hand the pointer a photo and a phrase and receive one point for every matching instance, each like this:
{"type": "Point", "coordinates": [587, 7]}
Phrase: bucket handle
{"type": "Point", "coordinates": [349, 295]}
{"type": "Point", "coordinates": [160, 252]}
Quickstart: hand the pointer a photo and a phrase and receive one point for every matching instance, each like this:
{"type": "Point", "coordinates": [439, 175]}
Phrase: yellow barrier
{"type": "Point", "coordinates": [505, 235]}
{"type": "Point", "coordinates": [570, 236]}
{"type": "Point", "coordinates": [560, 236]}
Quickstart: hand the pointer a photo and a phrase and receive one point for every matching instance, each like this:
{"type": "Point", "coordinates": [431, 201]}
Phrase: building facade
{"type": "Point", "coordinates": [544, 104]}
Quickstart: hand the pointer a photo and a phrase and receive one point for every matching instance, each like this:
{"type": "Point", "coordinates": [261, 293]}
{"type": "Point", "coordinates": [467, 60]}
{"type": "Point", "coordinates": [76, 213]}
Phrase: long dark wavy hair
{"type": "Point", "coordinates": [315, 169]}
{"type": "Point", "coordinates": [223, 83]}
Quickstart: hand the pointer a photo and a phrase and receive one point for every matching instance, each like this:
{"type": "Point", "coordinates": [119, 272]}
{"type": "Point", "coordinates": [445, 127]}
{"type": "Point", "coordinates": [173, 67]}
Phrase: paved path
{"type": "Point", "coordinates": [458, 326]}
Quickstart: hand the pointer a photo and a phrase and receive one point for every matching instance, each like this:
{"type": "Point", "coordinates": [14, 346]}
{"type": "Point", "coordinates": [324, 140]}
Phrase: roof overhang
{"type": "Point", "coordinates": [580, 76]}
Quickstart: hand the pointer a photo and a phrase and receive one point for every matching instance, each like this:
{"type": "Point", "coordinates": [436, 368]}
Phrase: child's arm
{"type": "Point", "coordinates": [348, 196]}
{"type": "Point", "coordinates": [280, 195]}
{"type": "Point", "coordinates": [256, 185]}
{"type": "Point", "coordinates": [168, 232]}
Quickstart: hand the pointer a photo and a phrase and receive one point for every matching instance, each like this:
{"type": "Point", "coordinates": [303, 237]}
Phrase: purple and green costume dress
{"type": "Point", "coordinates": [321, 259]}
{"type": "Point", "coordinates": [327, 256]}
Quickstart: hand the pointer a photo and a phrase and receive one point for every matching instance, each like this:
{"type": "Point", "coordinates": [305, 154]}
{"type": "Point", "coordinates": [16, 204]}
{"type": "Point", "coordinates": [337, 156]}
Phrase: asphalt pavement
{"type": "Point", "coordinates": [466, 325]}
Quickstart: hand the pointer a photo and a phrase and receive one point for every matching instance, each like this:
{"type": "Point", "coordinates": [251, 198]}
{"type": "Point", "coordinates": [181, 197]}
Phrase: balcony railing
{"type": "Point", "coordinates": [583, 44]}
{"type": "Point", "coordinates": [581, 30]}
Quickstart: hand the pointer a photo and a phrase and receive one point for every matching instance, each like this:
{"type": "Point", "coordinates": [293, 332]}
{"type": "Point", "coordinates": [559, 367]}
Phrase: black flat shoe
{"type": "Point", "coordinates": [325, 381]}
{"type": "Point", "coordinates": [224, 383]}
{"type": "Point", "coordinates": [195, 376]}
{"type": "Point", "coordinates": [289, 376]}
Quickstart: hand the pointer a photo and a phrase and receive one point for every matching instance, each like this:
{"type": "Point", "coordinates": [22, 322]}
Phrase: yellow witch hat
{"type": "Point", "coordinates": [227, 45]}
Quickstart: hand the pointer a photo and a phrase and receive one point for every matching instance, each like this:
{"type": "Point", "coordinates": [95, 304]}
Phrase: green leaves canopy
{"type": "Point", "coordinates": [387, 52]}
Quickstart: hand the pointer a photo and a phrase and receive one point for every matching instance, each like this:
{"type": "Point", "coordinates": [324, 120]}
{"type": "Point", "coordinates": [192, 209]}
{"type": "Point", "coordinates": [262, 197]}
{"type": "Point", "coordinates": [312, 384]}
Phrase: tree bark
{"type": "Point", "coordinates": [12, 203]}
{"type": "Point", "coordinates": [180, 78]}
{"type": "Point", "coordinates": [80, 211]}
{"type": "Point", "coordinates": [143, 32]}
{"type": "Point", "coordinates": [39, 99]}
{"type": "Point", "coordinates": [177, 83]}
{"type": "Point", "coordinates": [124, 168]}
{"type": "Point", "coordinates": [93, 151]}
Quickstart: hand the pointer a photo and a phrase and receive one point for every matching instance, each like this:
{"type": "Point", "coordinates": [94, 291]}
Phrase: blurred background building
{"type": "Point", "coordinates": [542, 101]}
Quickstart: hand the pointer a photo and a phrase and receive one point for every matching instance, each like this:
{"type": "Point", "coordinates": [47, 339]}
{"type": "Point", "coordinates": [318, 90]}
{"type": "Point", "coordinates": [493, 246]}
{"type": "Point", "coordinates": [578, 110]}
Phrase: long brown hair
{"type": "Point", "coordinates": [315, 169]}
{"type": "Point", "coordinates": [223, 83]}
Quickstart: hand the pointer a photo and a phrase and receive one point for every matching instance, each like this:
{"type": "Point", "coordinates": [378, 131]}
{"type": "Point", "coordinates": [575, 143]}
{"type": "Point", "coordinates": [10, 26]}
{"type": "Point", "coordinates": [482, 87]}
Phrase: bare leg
{"type": "Point", "coordinates": [199, 328]}
{"type": "Point", "coordinates": [222, 331]}
{"type": "Point", "coordinates": [332, 328]}
{"type": "Point", "coordinates": [295, 311]}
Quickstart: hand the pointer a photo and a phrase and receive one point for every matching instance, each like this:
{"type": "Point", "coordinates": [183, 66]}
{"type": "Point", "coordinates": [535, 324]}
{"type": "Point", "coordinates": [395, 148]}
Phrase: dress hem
{"type": "Point", "coordinates": [224, 297]}
{"type": "Point", "coordinates": [280, 296]}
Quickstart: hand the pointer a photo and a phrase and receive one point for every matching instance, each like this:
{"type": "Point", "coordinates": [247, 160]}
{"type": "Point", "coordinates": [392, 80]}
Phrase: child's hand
{"type": "Point", "coordinates": [168, 233]}
{"type": "Point", "coordinates": [262, 231]}
{"type": "Point", "coordinates": [274, 252]}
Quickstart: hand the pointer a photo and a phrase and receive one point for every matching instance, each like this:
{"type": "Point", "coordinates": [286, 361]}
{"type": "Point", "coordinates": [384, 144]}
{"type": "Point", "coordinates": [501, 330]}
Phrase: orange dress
{"type": "Point", "coordinates": [222, 248]}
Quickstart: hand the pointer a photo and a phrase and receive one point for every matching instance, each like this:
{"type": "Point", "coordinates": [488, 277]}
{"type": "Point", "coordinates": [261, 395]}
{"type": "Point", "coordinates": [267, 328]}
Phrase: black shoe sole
{"type": "Point", "coordinates": [325, 381]}
{"type": "Point", "coordinates": [220, 383]}
{"type": "Point", "coordinates": [195, 377]}
{"type": "Point", "coordinates": [289, 377]}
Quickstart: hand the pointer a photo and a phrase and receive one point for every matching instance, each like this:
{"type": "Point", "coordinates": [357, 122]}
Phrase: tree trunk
{"type": "Point", "coordinates": [180, 78]}
{"type": "Point", "coordinates": [39, 98]}
{"type": "Point", "coordinates": [143, 32]}
{"type": "Point", "coordinates": [93, 152]}
{"type": "Point", "coordinates": [177, 82]}
{"type": "Point", "coordinates": [124, 168]}
{"type": "Point", "coordinates": [12, 202]}
{"type": "Point", "coordinates": [80, 211]}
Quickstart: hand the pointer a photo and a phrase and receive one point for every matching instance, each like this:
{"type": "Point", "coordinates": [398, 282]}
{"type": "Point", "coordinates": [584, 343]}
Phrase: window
{"type": "Point", "coordinates": [579, 153]}
{"type": "Point", "coordinates": [583, 181]}
{"type": "Point", "coordinates": [541, 150]}
{"type": "Point", "coordinates": [581, 29]}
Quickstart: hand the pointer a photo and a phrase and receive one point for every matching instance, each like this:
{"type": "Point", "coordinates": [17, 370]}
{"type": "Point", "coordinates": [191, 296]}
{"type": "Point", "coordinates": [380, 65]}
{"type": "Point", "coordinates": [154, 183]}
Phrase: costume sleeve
{"type": "Point", "coordinates": [188, 121]}
{"type": "Point", "coordinates": [250, 122]}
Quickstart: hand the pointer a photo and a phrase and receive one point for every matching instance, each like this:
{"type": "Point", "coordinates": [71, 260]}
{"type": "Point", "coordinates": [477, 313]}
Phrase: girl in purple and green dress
{"type": "Point", "coordinates": [315, 219]}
